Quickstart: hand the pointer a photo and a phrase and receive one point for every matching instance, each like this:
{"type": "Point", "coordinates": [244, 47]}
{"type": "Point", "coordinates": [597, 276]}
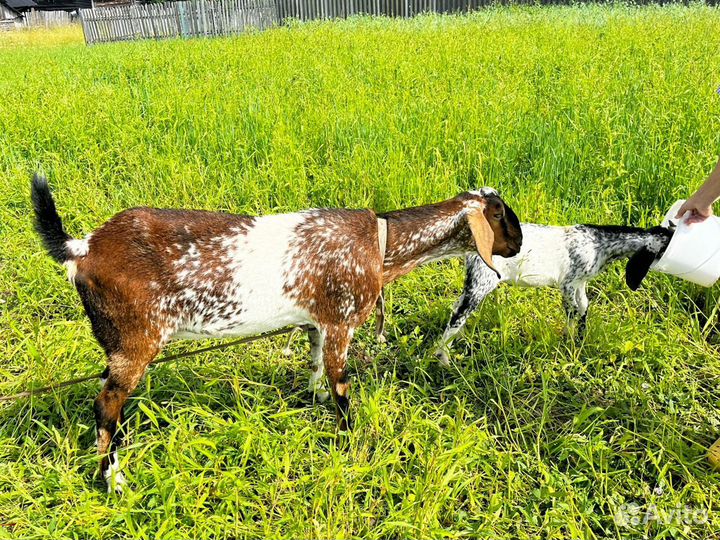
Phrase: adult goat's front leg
{"type": "Point", "coordinates": [380, 318]}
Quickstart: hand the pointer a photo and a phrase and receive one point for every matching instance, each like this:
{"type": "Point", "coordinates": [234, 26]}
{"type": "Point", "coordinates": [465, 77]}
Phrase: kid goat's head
{"type": "Point", "coordinates": [495, 227]}
{"type": "Point", "coordinates": [640, 262]}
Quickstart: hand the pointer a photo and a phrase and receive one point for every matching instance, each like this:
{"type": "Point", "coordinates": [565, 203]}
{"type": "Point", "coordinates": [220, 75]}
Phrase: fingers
{"type": "Point", "coordinates": [695, 217]}
{"type": "Point", "coordinates": [681, 212]}
{"type": "Point", "coordinates": [696, 213]}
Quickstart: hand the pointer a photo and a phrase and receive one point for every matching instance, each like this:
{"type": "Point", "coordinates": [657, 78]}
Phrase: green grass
{"type": "Point", "coordinates": [581, 114]}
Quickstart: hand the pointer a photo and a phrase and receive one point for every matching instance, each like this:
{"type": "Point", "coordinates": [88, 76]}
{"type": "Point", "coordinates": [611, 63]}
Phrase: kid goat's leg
{"type": "Point", "coordinates": [575, 303]}
{"type": "Point", "coordinates": [581, 301]}
{"type": "Point", "coordinates": [480, 281]}
{"type": "Point", "coordinates": [335, 348]}
{"type": "Point", "coordinates": [126, 369]}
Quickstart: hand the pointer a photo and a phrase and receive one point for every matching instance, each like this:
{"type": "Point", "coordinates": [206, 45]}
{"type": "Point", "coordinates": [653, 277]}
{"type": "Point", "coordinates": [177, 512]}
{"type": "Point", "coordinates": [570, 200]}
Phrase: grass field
{"type": "Point", "coordinates": [582, 114]}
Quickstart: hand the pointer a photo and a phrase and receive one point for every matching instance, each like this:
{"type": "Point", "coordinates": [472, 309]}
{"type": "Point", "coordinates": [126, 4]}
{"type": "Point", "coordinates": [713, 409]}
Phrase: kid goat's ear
{"type": "Point", "coordinates": [483, 235]}
{"type": "Point", "coordinates": [638, 266]}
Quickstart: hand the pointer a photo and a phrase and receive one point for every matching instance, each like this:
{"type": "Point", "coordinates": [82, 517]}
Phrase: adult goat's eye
{"type": "Point", "coordinates": [499, 216]}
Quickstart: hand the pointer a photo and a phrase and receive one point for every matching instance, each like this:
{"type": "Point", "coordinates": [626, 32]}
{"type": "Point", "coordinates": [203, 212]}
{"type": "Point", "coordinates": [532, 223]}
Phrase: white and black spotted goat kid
{"type": "Point", "coordinates": [565, 258]}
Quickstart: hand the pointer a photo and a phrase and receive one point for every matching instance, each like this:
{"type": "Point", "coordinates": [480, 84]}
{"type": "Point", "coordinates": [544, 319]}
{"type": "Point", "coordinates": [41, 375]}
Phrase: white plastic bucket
{"type": "Point", "coordinates": [693, 253]}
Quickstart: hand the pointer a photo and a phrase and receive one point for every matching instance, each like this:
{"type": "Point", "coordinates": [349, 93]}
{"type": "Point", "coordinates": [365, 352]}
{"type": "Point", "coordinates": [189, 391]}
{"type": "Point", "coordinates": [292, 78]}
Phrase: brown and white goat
{"type": "Point", "coordinates": [148, 276]}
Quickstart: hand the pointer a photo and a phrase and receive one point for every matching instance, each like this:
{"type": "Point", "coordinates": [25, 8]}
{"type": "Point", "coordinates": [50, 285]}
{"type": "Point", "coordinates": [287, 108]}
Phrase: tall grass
{"type": "Point", "coordinates": [577, 114]}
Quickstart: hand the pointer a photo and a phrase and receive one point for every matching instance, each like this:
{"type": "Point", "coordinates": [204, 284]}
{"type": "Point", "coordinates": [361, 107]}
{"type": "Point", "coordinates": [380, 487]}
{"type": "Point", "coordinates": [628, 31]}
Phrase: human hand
{"type": "Point", "coordinates": [699, 210]}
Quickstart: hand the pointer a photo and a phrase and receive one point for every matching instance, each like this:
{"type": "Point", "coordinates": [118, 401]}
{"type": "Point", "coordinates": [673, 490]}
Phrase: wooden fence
{"type": "Point", "coordinates": [307, 10]}
{"type": "Point", "coordinates": [48, 18]}
{"type": "Point", "coordinates": [11, 20]}
{"type": "Point", "coordinates": [191, 18]}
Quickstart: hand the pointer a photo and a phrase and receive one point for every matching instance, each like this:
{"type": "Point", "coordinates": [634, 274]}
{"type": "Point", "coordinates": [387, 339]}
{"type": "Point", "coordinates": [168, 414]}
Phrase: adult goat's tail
{"type": "Point", "coordinates": [47, 221]}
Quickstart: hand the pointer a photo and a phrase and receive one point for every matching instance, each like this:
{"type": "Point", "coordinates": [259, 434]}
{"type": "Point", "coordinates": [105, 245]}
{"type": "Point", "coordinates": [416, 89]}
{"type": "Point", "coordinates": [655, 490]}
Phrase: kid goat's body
{"type": "Point", "coordinates": [565, 258]}
{"type": "Point", "coordinates": [148, 276]}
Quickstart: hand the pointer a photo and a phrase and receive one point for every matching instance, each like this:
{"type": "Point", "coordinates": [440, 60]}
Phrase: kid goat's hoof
{"type": "Point", "coordinates": [443, 357]}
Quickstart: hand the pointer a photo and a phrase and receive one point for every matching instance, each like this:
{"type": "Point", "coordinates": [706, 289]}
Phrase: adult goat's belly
{"type": "Point", "coordinates": [252, 312]}
{"type": "Point", "coordinates": [245, 324]}
{"type": "Point", "coordinates": [249, 293]}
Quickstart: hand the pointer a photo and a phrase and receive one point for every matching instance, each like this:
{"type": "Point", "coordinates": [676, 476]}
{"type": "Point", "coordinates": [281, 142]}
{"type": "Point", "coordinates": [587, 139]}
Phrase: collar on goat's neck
{"type": "Point", "coordinates": [382, 237]}
{"type": "Point", "coordinates": [422, 234]}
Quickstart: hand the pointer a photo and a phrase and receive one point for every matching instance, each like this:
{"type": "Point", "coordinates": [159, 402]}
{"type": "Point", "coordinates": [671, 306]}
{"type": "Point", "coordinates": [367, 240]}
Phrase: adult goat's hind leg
{"type": "Point", "coordinates": [317, 379]}
{"type": "Point", "coordinates": [126, 368]}
{"type": "Point", "coordinates": [335, 349]}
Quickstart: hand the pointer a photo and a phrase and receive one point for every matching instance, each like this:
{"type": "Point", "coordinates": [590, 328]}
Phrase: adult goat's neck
{"type": "Point", "coordinates": [423, 234]}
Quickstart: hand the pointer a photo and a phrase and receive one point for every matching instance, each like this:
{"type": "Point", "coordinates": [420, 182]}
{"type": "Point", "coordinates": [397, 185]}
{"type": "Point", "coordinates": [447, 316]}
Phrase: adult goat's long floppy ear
{"type": "Point", "coordinates": [483, 235]}
{"type": "Point", "coordinates": [638, 266]}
